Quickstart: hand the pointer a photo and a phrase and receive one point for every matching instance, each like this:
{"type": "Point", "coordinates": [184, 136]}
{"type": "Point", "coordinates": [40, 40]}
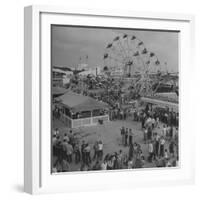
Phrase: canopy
{"type": "Point", "coordinates": [79, 103]}
{"type": "Point", "coordinates": [169, 96]}
{"type": "Point", "coordinates": [58, 71]}
{"type": "Point", "coordinates": [62, 71]}
{"type": "Point", "coordinates": [161, 103]}
{"type": "Point", "coordinates": [57, 91]}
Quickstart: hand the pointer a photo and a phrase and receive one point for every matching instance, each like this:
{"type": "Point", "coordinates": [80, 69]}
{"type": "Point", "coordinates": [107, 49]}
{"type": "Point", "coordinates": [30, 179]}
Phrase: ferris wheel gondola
{"type": "Point", "coordinates": [127, 56]}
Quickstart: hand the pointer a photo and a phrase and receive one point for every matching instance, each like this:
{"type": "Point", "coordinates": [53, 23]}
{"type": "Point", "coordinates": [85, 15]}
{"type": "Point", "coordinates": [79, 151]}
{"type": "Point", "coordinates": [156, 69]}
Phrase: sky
{"type": "Point", "coordinates": [71, 45]}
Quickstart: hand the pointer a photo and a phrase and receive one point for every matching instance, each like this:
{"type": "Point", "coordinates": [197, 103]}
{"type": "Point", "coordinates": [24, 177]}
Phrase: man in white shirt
{"type": "Point", "coordinates": [164, 131]}
{"type": "Point", "coordinates": [104, 165]}
{"type": "Point", "coordinates": [150, 148]}
{"type": "Point", "coordinates": [56, 132]}
{"type": "Point", "coordinates": [145, 135]}
{"type": "Point", "coordinates": [54, 140]}
{"type": "Point", "coordinates": [100, 150]}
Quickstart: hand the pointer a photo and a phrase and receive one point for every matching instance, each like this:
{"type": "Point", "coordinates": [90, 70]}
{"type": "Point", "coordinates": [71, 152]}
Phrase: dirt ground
{"type": "Point", "coordinates": [109, 133]}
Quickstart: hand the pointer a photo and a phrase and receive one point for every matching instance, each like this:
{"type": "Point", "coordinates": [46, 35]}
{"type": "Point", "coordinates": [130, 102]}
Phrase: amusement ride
{"type": "Point", "coordinates": [128, 58]}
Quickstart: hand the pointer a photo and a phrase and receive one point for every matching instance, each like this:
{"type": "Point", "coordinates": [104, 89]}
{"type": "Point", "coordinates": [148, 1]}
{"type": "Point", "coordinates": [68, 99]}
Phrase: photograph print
{"type": "Point", "coordinates": [114, 99]}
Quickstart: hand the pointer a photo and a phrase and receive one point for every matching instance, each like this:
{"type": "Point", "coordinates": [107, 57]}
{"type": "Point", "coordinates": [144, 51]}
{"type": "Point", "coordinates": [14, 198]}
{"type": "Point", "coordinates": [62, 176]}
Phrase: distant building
{"type": "Point", "coordinates": [90, 70]}
{"type": "Point", "coordinates": [113, 71]}
{"type": "Point", "coordinates": [117, 71]}
{"type": "Point", "coordinates": [60, 77]}
{"type": "Point", "coordinates": [57, 77]}
{"type": "Point", "coordinates": [167, 100]}
{"type": "Point", "coordinates": [82, 66]}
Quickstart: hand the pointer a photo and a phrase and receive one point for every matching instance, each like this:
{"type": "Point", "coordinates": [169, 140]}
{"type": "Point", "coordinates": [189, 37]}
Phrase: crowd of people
{"type": "Point", "coordinates": [159, 128]}
{"type": "Point", "coordinates": [68, 152]}
{"type": "Point", "coordinates": [160, 139]}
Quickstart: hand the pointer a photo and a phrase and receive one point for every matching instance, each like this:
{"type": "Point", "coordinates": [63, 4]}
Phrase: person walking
{"type": "Point", "coordinates": [69, 152]}
{"type": "Point", "coordinates": [157, 139]}
{"type": "Point", "coordinates": [83, 151]}
{"type": "Point", "coordinates": [95, 147]}
{"type": "Point", "coordinates": [162, 146]}
{"type": "Point", "coordinates": [130, 135]}
{"type": "Point", "coordinates": [130, 153]}
{"type": "Point", "coordinates": [87, 154]}
{"type": "Point", "coordinates": [145, 135]}
{"type": "Point", "coordinates": [166, 156]}
{"type": "Point", "coordinates": [77, 153]}
{"type": "Point", "coordinates": [120, 159]}
{"type": "Point", "coordinates": [123, 135]}
{"type": "Point", "coordinates": [150, 148]}
{"type": "Point", "coordinates": [164, 131]}
{"type": "Point", "coordinates": [149, 133]}
{"type": "Point", "coordinates": [100, 150]}
{"type": "Point", "coordinates": [126, 137]}
{"type": "Point", "coordinates": [64, 149]}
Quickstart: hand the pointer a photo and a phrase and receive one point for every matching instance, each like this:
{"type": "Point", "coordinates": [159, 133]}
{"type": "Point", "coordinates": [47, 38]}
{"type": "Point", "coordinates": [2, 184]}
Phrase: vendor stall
{"type": "Point", "coordinates": [78, 110]}
{"type": "Point", "coordinates": [159, 102]}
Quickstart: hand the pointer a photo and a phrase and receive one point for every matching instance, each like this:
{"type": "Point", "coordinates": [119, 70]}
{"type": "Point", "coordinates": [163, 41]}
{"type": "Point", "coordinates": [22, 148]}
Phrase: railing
{"type": "Point", "coordinates": [97, 118]}
{"type": "Point", "coordinates": [88, 121]}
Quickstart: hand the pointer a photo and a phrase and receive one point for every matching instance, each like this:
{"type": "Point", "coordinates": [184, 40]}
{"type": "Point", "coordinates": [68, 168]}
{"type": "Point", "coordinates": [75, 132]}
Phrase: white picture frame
{"type": "Point", "coordinates": [37, 174]}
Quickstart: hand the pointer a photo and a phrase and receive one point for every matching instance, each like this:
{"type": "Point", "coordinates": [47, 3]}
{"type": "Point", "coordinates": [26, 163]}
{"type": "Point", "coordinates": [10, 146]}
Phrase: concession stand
{"type": "Point", "coordinates": [171, 104]}
{"type": "Point", "coordinates": [78, 110]}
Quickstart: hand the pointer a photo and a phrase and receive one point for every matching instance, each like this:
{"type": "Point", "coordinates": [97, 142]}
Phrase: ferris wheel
{"type": "Point", "coordinates": [128, 56]}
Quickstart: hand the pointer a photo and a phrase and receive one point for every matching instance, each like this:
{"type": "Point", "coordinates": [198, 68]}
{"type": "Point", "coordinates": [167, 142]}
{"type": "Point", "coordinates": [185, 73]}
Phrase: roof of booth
{"type": "Point", "coordinates": [162, 103]}
{"type": "Point", "coordinates": [78, 102]}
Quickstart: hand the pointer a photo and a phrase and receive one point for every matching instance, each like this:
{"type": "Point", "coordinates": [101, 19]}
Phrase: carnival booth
{"type": "Point", "coordinates": [168, 111]}
{"type": "Point", "coordinates": [171, 104]}
{"type": "Point", "coordinates": [78, 110]}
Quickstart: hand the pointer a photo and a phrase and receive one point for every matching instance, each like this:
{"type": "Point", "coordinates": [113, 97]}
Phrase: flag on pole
{"type": "Point", "coordinates": [133, 37]}
{"type": "Point", "coordinates": [125, 36]}
{"type": "Point", "coordinates": [157, 62]}
{"type": "Point", "coordinates": [140, 43]}
{"type": "Point", "coordinates": [136, 53]}
{"type": "Point", "coordinates": [152, 54]}
{"type": "Point", "coordinates": [144, 51]}
{"type": "Point", "coordinates": [117, 38]}
{"type": "Point", "coordinates": [109, 45]}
